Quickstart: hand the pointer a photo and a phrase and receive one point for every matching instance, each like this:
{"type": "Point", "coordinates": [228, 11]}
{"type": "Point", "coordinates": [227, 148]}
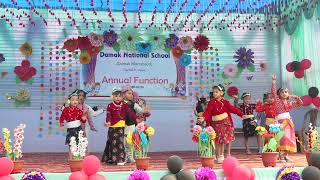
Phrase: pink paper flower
{"type": "Point", "coordinates": [141, 127]}
{"type": "Point", "coordinates": [186, 43]}
{"type": "Point", "coordinates": [210, 130]}
{"type": "Point", "coordinates": [96, 39]}
{"type": "Point", "coordinates": [230, 70]}
{"type": "Point", "coordinates": [196, 129]}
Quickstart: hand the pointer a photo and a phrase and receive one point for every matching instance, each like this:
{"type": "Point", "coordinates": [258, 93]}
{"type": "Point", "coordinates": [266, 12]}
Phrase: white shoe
{"type": "Point", "coordinates": [220, 159]}
{"type": "Point", "coordinates": [121, 163]}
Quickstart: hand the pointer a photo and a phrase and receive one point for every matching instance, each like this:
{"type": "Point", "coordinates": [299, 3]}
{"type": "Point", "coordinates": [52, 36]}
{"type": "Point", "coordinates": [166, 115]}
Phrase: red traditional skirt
{"type": "Point", "coordinates": [224, 131]}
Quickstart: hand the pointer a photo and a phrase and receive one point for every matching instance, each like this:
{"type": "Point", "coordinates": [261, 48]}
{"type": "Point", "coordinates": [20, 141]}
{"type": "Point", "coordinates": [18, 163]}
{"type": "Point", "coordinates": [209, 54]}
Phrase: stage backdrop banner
{"type": "Point", "coordinates": [152, 74]}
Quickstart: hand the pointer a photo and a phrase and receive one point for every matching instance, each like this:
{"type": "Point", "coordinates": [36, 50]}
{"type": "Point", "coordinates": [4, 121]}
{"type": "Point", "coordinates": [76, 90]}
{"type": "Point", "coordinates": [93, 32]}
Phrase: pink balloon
{"type": "Point", "coordinates": [316, 101]}
{"type": "Point", "coordinates": [6, 166]}
{"type": "Point", "coordinates": [241, 173]}
{"type": "Point", "coordinates": [253, 174]}
{"type": "Point", "coordinates": [91, 165]}
{"type": "Point", "coordinates": [305, 64]}
{"type": "Point", "coordinates": [299, 73]}
{"type": "Point", "coordinates": [228, 178]}
{"type": "Point", "coordinates": [229, 164]}
{"type": "Point", "coordinates": [79, 175]}
{"type": "Point", "coordinates": [97, 177]}
{"type": "Point", "coordinates": [288, 67]}
{"type": "Point", "coordinates": [307, 100]}
{"type": "Point", "coordinates": [7, 178]}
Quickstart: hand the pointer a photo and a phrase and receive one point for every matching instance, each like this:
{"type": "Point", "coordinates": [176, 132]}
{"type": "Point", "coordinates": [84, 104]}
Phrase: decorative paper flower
{"type": "Point", "coordinates": [23, 95]}
{"type": "Point", "coordinates": [263, 66]}
{"type": "Point", "coordinates": [261, 130]}
{"type": "Point", "coordinates": [156, 38]}
{"type": "Point", "coordinates": [140, 127]}
{"type": "Point", "coordinates": [139, 175]}
{"type": "Point", "coordinates": [129, 37]}
{"type": "Point", "coordinates": [287, 173]}
{"type": "Point", "coordinates": [172, 41]}
{"type": "Point", "coordinates": [177, 52]}
{"type": "Point", "coordinates": [195, 139]}
{"type": "Point", "coordinates": [232, 90]}
{"type": "Point", "coordinates": [312, 97]}
{"type": "Point", "coordinates": [78, 151]}
{"type": "Point", "coordinates": [150, 131]}
{"type": "Point", "coordinates": [244, 58]}
{"type": "Point", "coordinates": [210, 130]}
{"type": "Point", "coordinates": [205, 173]}
{"type": "Point", "coordinates": [33, 175]}
{"type": "Point", "coordinates": [93, 51]}
{"type": "Point", "coordinates": [84, 43]}
{"type": "Point", "coordinates": [196, 129]}
{"type": "Point", "coordinates": [185, 60]}
{"type": "Point", "coordinates": [110, 38]}
{"type": "Point", "coordinates": [298, 67]}
{"type": "Point", "coordinates": [201, 43]}
{"type": "Point", "coordinates": [186, 43]}
{"type": "Point", "coordinates": [230, 70]}
{"type": "Point", "coordinates": [143, 47]}
{"type": "Point", "coordinates": [26, 49]}
{"type": "Point", "coordinates": [144, 139]}
{"type": "Point", "coordinates": [25, 71]}
{"type": "Point", "coordinates": [204, 137]}
{"type": "Point", "coordinates": [71, 45]}
{"type": "Point", "coordinates": [7, 140]}
{"type": "Point", "coordinates": [2, 58]}
{"type": "Point", "coordinates": [96, 39]}
{"type": "Point", "coordinates": [274, 128]}
{"type": "Point", "coordinates": [1, 146]}
{"type": "Point", "coordinates": [85, 58]}
{"type": "Point", "coordinates": [129, 138]}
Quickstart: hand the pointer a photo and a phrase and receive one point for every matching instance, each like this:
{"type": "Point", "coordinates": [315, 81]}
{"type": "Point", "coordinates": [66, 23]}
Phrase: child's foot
{"type": "Point", "coordinates": [121, 163]}
{"type": "Point", "coordinates": [220, 159]}
{"type": "Point", "coordinates": [248, 152]}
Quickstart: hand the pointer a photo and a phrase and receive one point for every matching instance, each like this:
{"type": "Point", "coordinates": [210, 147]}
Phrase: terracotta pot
{"type": "Point", "coordinates": [18, 166]}
{"type": "Point", "coordinates": [207, 162]}
{"type": "Point", "coordinates": [308, 154]}
{"type": "Point", "coordinates": [75, 165]}
{"type": "Point", "coordinates": [270, 158]}
{"type": "Point", "coordinates": [142, 163]}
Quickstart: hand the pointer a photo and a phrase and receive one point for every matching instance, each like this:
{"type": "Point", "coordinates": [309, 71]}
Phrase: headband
{"type": "Point", "coordinates": [245, 95]}
{"type": "Point", "coordinates": [221, 88]}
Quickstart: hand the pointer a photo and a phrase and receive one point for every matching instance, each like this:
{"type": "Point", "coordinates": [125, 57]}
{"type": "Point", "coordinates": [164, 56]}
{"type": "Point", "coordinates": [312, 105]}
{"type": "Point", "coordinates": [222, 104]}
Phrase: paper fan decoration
{"type": "Point", "coordinates": [298, 68]}
{"type": "Point", "coordinates": [312, 97]}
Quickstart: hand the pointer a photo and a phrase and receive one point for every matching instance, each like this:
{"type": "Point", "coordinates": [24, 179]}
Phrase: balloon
{"type": "Point", "coordinates": [253, 174]}
{"type": "Point", "coordinates": [306, 100]}
{"type": "Point", "coordinates": [299, 73]}
{"type": "Point", "coordinates": [174, 164]}
{"type": "Point", "coordinates": [313, 92]}
{"type": "Point", "coordinates": [6, 166]}
{"type": "Point", "coordinates": [96, 177]}
{"type": "Point", "coordinates": [186, 175]}
{"type": "Point", "coordinates": [229, 164]}
{"type": "Point", "coordinates": [316, 101]}
{"type": "Point", "coordinates": [169, 177]}
{"type": "Point", "coordinates": [288, 67]}
{"type": "Point", "coordinates": [305, 64]}
{"type": "Point", "coordinates": [78, 175]}
{"type": "Point", "coordinates": [91, 165]}
{"type": "Point", "coordinates": [315, 159]}
{"type": "Point", "coordinates": [7, 178]}
{"type": "Point", "coordinates": [241, 173]}
{"type": "Point", "coordinates": [310, 173]}
{"type": "Point", "coordinates": [295, 65]}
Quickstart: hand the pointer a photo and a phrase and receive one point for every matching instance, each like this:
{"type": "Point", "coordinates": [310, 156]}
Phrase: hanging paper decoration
{"type": "Point", "coordinates": [110, 38]}
{"type": "Point", "coordinates": [144, 47]}
{"type": "Point", "coordinates": [298, 67]}
{"type": "Point", "coordinates": [26, 49]}
{"type": "Point", "coordinates": [186, 43]}
{"type": "Point", "coordinates": [172, 41]}
{"type": "Point", "coordinates": [84, 43]}
{"type": "Point", "coordinates": [185, 60]}
{"type": "Point", "coordinates": [25, 72]}
{"type": "Point", "coordinates": [129, 37]}
{"type": "Point", "coordinates": [85, 58]}
{"type": "Point", "coordinates": [177, 52]}
{"type": "Point", "coordinates": [96, 39]}
{"type": "Point", "coordinates": [156, 38]}
{"type": "Point", "coordinates": [4, 74]}
{"type": "Point", "coordinates": [232, 91]}
{"type": "Point", "coordinates": [71, 45]}
{"type": "Point", "coordinates": [23, 96]}
{"type": "Point", "coordinates": [244, 58]}
{"type": "Point", "coordinates": [263, 66]}
{"type": "Point", "coordinates": [201, 43]}
{"type": "Point", "coordinates": [312, 97]}
{"type": "Point", "coordinates": [93, 51]}
{"type": "Point", "coordinates": [2, 58]}
{"type": "Point", "coordinates": [230, 70]}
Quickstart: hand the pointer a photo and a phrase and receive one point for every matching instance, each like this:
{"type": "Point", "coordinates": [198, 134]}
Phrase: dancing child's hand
{"type": "Point", "coordinates": [274, 77]}
{"type": "Point", "coordinates": [200, 119]}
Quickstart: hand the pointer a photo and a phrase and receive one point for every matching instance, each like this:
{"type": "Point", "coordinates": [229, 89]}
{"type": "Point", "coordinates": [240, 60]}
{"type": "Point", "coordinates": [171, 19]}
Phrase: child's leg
{"type": "Point", "coordinates": [228, 149]}
{"type": "Point", "coordinates": [128, 151]}
{"type": "Point", "coordinates": [259, 143]}
{"type": "Point", "coordinates": [246, 143]}
{"type": "Point", "coordinates": [220, 157]}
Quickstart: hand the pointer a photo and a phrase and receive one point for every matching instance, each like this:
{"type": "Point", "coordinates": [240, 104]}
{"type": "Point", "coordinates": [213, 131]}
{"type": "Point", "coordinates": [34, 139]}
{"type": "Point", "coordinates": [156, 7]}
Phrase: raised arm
{"type": "Point", "coordinates": [274, 87]}
{"type": "Point", "coordinates": [297, 102]}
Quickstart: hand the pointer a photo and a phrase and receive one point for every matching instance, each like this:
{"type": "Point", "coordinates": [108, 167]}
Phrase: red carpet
{"type": "Point", "coordinates": [57, 162]}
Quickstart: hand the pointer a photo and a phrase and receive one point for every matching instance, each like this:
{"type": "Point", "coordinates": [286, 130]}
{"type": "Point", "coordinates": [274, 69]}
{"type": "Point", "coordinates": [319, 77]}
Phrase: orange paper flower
{"type": "Point", "coordinates": [93, 51]}
{"type": "Point", "coordinates": [71, 44]}
{"type": "Point", "coordinates": [26, 49]}
{"type": "Point", "coordinates": [177, 52]}
{"type": "Point", "coordinates": [85, 58]}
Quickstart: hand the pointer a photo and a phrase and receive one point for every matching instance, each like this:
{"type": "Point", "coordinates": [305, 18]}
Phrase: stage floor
{"type": "Point", "coordinates": [58, 163]}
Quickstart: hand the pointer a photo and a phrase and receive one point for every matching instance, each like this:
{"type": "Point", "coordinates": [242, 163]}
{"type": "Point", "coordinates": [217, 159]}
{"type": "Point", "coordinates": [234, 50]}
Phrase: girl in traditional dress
{"type": "Point", "coordinates": [267, 107]}
{"type": "Point", "coordinates": [283, 106]}
{"type": "Point", "coordinates": [217, 111]}
{"type": "Point", "coordinates": [117, 111]}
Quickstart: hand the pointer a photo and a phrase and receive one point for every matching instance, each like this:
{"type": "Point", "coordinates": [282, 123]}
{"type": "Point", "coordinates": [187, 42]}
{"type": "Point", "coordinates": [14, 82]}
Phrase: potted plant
{"type": "Point", "coordinates": [140, 141]}
{"type": "Point", "coordinates": [16, 154]}
{"type": "Point", "coordinates": [271, 141]}
{"type": "Point", "coordinates": [78, 152]}
{"type": "Point", "coordinates": [205, 138]}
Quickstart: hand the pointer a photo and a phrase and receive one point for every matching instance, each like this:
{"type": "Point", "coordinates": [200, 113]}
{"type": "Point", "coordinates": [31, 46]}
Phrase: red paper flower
{"type": "Point", "coordinates": [25, 71]}
{"type": "Point", "coordinates": [201, 43]}
{"type": "Point", "coordinates": [136, 141]}
{"type": "Point", "coordinates": [84, 43]}
{"type": "Point", "coordinates": [232, 90]}
{"type": "Point", "coordinates": [298, 67]}
{"type": "Point", "coordinates": [195, 139]}
{"type": "Point", "coordinates": [93, 51]}
{"type": "Point", "coordinates": [177, 52]}
{"type": "Point", "coordinates": [71, 45]}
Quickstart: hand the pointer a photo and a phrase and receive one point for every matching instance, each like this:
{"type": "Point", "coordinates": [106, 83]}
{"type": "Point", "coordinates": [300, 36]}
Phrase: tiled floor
{"type": "Point", "coordinates": [57, 162]}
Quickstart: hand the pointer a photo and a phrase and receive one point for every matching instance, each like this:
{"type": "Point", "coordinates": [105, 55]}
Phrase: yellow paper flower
{"type": "Point", "coordinates": [261, 130]}
{"type": "Point", "coordinates": [213, 136]}
{"type": "Point", "coordinates": [26, 49]}
{"type": "Point", "coordinates": [6, 134]}
{"type": "Point", "coordinates": [85, 58]}
{"type": "Point", "coordinates": [129, 138]}
{"type": "Point", "coordinates": [150, 131]}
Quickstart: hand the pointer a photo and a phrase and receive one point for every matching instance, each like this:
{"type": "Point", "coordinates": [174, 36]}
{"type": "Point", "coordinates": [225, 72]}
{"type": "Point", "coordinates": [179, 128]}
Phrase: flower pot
{"type": "Point", "coordinates": [270, 158]}
{"type": "Point", "coordinates": [308, 154]}
{"type": "Point", "coordinates": [142, 163]}
{"type": "Point", "coordinates": [18, 166]}
{"type": "Point", "coordinates": [75, 165]}
{"type": "Point", "coordinates": [207, 162]}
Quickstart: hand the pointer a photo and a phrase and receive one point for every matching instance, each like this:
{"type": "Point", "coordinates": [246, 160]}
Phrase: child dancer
{"type": "Point", "coordinates": [217, 111]}
{"type": "Point", "coordinates": [249, 122]}
{"type": "Point", "coordinates": [200, 108]}
{"type": "Point", "coordinates": [117, 111]}
{"type": "Point", "coordinates": [268, 107]}
{"type": "Point", "coordinates": [74, 117]}
{"type": "Point", "coordinates": [283, 107]}
{"type": "Point", "coordinates": [141, 117]}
